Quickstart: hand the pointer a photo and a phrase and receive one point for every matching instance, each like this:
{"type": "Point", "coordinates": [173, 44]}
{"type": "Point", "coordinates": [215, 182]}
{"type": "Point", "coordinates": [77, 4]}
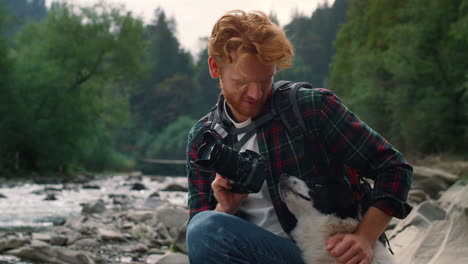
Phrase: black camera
{"type": "Point", "coordinates": [245, 170]}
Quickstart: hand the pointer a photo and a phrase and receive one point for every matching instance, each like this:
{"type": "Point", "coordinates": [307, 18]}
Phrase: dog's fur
{"type": "Point", "coordinates": [314, 228]}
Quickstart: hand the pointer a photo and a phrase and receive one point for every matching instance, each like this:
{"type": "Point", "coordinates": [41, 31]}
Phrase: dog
{"type": "Point", "coordinates": [314, 227]}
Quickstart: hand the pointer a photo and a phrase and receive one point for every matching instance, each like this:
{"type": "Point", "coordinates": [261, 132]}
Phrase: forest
{"type": "Point", "coordinates": [96, 89]}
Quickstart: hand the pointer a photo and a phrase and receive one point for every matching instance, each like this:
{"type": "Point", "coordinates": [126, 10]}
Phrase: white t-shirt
{"type": "Point", "coordinates": [257, 207]}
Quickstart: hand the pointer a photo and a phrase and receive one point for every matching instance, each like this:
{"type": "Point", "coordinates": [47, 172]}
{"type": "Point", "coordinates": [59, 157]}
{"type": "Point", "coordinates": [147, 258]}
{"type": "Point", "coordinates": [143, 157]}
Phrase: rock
{"type": "Point", "coordinates": [91, 186]}
{"type": "Point", "coordinates": [155, 194]}
{"type": "Point", "coordinates": [179, 243]}
{"type": "Point", "coordinates": [11, 243]}
{"type": "Point", "coordinates": [174, 187]}
{"type": "Point", "coordinates": [153, 202]}
{"type": "Point", "coordinates": [435, 231]}
{"type": "Point", "coordinates": [424, 172]}
{"type": "Point", "coordinates": [50, 197]}
{"type": "Point", "coordinates": [138, 247]}
{"type": "Point", "coordinates": [433, 186]}
{"type": "Point", "coordinates": [110, 234]}
{"type": "Point", "coordinates": [168, 258]}
{"type": "Point", "coordinates": [41, 236]}
{"type": "Point", "coordinates": [142, 232]}
{"type": "Point", "coordinates": [75, 222]}
{"type": "Point", "coordinates": [121, 199]}
{"type": "Point", "coordinates": [140, 215]}
{"type": "Point", "coordinates": [39, 243]}
{"type": "Point", "coordinates": [52, 254]}
{"type": "Point", "coordinates": [171, 217]}
{"type": "Point", "coordinates": [417, 196]}
{"type": "Point", "coordinates": [138, 187]}
{"type": "Point", "coordinates": [95, 207]}
{"type": "Point", "coordinates": [86, 243]}
{"type": "Point", "coordinates": [2, 196]}
{"type": "Point", "coordinates": [58, 240]}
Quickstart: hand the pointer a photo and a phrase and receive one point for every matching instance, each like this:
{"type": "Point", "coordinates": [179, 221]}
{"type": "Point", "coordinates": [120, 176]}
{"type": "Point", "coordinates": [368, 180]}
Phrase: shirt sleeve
{"type": "Point", "coordinates": [349, 139]}
{"type": "Point", "coordinates": [200, 197]}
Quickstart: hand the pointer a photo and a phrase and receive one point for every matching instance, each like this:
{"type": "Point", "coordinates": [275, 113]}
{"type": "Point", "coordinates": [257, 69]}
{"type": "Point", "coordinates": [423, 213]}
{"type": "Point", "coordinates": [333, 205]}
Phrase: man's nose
{"type": "Point", "coordinates": [254, 90]}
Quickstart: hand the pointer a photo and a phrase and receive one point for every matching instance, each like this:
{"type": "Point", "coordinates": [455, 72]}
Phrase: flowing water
{"type": "Point", "coordinates": [25, 206]}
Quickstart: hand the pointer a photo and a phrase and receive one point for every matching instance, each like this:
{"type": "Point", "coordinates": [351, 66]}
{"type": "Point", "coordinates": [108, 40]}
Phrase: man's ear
{"type": "Point", "coordinates": [214, 67]}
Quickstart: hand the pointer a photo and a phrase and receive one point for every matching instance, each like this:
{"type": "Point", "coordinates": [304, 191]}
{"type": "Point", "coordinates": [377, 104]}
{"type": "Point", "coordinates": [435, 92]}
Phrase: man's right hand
{"type": "Point", "coordinates": [228, 202]}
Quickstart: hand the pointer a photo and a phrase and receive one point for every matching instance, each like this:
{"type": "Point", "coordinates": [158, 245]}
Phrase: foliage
{"type": "Point", "coordinates": [72, 72]}
{"type": "Point", "coordinates": [23, 11]}
{"type": "Point", "coordinates": [402, 66]}
{"type": "Point", "coordinates": [312, 38]}
{"type": "Point", "coordinates": [166, 60]}
{"type": "Point", "coordinates": [172, 141]}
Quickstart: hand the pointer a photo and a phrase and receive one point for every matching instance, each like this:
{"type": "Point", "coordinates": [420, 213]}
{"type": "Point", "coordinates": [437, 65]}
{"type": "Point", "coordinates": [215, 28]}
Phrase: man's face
{"type": "Point", "coordinates": [246, 84]}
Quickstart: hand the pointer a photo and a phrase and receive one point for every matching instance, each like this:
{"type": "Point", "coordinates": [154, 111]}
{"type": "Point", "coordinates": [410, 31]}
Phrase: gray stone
{"type": "Point", "coordinates": [41, 236]}
{"type": "Point", "coordinates": [95, 207]}
{"type": "Point", "coordinates": [110, 234]}
{"type": "Point", "coordinates": [153, 202]}
{"type": "Point", "coordinates": [417, 196]}
{"type": "Point", "coordinates": [142, 232]}
{"type": "Point", "coordinates": [75, 222]}
{"type": "Point", "coordinates": [52, 254]}
{"type": "Point", "coordinates": [58, 240]}
{"type": "Point", "coordinates": [179, 243]}
{"type": "Point", "coordinates": [11, 243]}
{"type": "Point", "coordinates": [140, 216]}
{"type": "Point", "coordinates": [424, 172]}
{"type": "Point", "coordinates": [86, 243]}
{"type": "Point", "coordinates": [168, 258]}
{"type": "Point", "coordinates": [171, 217]}
{"type": "Point", "coordinates": [39, 243]}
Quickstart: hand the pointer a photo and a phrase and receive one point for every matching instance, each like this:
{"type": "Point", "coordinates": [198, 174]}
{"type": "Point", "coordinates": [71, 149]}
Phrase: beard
{"type": "Point", "coordinates": [240, 108]}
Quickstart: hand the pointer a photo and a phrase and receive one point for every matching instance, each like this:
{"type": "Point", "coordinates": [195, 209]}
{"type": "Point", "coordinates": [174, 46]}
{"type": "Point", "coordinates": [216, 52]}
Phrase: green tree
{"type": "Point", "coordinates": [72, 74]}
{"type": "Point", "coordinates": [402, 67]}
{"type": "Point", "coordinates": [313, 39]}
{"type": "Point", "coordinates": [166, 59]}
{"type": "Point", "coordinates": [23, 11]}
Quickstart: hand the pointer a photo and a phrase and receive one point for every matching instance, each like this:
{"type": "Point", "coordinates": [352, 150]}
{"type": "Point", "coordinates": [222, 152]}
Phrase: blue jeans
{"type": "Point", "coordinates": [214, 237]}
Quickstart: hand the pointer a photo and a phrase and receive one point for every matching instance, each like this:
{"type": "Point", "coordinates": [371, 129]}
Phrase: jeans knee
{"type": "Point", "coordinates": [206, 235]}
{"type": "Point", "coordinates": [203, 224]}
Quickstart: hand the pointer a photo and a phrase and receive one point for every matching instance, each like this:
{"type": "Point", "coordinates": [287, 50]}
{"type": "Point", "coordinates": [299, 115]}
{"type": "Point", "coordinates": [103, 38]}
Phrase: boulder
{"type": "Point", "coordinates": [11, 243]}
{"type": "Point", "coordinates": [171, 217]}
{"type": "Point", "coordinates": [52, 254]}
{"type": "Point", "coordinates": [2, 196]}
{"type": "Point", "coordinates": [435, 231]}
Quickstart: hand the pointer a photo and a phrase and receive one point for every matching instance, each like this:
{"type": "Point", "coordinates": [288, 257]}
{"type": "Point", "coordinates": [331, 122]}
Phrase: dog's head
{"type": "Point", "coordinates": [295, 193]}
{"type": "Point", "coordinates": [333, 199]}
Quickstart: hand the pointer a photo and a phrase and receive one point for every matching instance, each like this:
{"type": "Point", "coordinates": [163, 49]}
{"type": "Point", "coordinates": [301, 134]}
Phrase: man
{"type": "Point", "coordinates": [246, 49]}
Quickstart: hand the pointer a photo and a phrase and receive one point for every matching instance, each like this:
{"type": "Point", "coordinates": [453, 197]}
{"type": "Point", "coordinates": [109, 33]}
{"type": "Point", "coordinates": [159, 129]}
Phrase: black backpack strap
{"type": "Point", "coordinates": [285, 105]}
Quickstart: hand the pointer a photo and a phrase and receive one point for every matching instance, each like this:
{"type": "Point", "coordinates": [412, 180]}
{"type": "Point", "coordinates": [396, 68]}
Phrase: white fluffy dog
{"type": "Point", "coordinates": [314, 228]}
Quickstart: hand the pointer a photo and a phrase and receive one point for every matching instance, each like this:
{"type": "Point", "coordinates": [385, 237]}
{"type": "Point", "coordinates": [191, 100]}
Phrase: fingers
{"type": "Point", "coordinates": [341, 250]}
{"type": "Point", "coordinates": [349, 249]}
{"type": "Point", "coordinates": [333, 240]}
{"type": "Point", "coordinates": [220, 184]}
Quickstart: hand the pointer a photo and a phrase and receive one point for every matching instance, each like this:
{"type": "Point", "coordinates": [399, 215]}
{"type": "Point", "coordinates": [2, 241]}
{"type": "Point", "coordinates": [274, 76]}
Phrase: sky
{"type": "Point", "coordinates": [195, 18]}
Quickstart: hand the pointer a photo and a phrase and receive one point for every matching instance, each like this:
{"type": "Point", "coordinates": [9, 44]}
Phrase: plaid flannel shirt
{"type": "Point", "coordinates": [348, 143]}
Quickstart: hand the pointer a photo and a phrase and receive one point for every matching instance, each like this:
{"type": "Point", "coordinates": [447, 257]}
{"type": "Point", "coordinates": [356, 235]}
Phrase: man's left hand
{"type": "Point", "coordinates": [350, 249]}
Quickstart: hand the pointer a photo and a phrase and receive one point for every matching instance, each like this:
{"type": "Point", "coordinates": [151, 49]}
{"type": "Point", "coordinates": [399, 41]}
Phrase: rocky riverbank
{"type": "Point", "coordinates": [111, 229]}
{"type": "Point", "coordinates": [118, 229]}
